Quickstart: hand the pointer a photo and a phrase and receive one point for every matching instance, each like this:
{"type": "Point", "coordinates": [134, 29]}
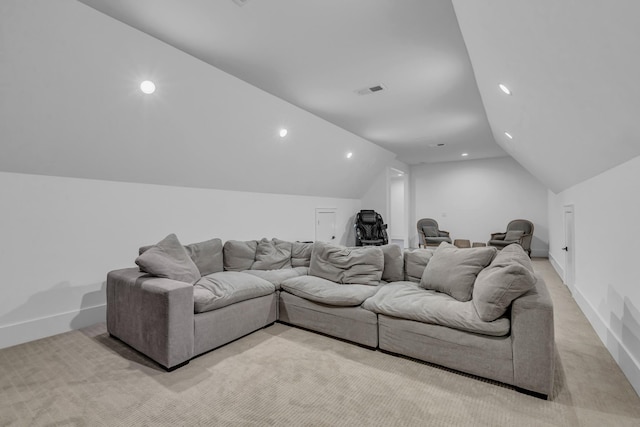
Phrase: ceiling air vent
{"type": "Point", "coordinates": [370, 90]}
{"type": "Point", "coordinates": [240, 2]}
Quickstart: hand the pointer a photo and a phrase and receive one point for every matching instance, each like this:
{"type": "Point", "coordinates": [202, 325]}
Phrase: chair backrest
{"type": "Point", "coordinates": [429, 222]}
{"type": "Point", "coordinates": [370, 226]}
{"type": "Point", "coordinates": [527, 227]}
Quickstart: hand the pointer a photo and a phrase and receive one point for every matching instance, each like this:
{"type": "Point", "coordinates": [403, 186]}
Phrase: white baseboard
{"type": "Point", "coordinates": [621, 354]}
{"type": "Point", "coordinates": [29, 330]}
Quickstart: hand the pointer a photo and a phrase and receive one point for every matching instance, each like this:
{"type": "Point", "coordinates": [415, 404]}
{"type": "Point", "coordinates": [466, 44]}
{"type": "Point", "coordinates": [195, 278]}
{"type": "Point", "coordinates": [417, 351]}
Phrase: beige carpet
{"type": "Point", "coordinates": [286, 376]}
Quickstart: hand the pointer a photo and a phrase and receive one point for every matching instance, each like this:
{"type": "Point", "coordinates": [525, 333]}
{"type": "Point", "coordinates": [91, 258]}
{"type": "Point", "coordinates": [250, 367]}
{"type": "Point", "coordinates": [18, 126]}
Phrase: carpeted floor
{"type": "Point", "coordinates": [286, 376]}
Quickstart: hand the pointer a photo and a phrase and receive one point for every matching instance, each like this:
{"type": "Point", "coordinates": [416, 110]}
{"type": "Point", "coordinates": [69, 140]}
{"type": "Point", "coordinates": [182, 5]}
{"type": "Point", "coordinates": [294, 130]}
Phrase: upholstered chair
{"type": "Point", "coordinates": [430, 234]}
{"type": "Point", "coordinates": [519, 231]}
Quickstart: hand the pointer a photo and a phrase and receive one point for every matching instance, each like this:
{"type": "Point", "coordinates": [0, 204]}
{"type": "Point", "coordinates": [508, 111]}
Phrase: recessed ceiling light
{"type": "Point", "coordinates": [508, 135]}
{"type": "Point", "coordinates": [504, 89]}
{"type": "Point", "coordinates": [147, 87]}
{"type": "Point", "coordinates": [349, 155]}
{"type": "Point", "coordinates": [283, 132]}
{"type": "Point", "coordinates": [465, 154]}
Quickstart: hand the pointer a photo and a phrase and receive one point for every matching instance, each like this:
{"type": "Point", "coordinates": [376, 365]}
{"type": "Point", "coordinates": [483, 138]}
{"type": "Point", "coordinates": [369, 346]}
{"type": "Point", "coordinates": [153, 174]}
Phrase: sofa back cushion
{"type": "Point", "coordinates": [238, 255]}
{"type": "Point", "coordinates": [453, 270]}
{"type": "Point", "coordinates": [393, 263]}
{"type": "Point", "coordinates": [509, 276]}
{"type": "Point", "coordinates": [272, 255]}
{"type": "Point", "coordinates": [169, 259]}
{"type": "Point", "coordinates": [206, 255]}
{"type": "Point", "coordinates": [361, 265]}
{"type": "Point", "coordinates": [415, 261]}
{"type": "Point", "coordinates": [301, 254]}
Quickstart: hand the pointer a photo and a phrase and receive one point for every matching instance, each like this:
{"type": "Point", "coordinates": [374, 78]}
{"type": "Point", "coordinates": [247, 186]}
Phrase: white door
{"type": "Point", "coordinates": [569, 248]}
{"type": "Point", "coordinates": [326, 225]}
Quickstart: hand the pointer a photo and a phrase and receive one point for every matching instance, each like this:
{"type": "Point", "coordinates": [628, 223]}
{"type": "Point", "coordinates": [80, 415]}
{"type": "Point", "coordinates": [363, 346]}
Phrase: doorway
{"type": "Point", "coordinates": [398, 210]}
{"type": "Point", "coordinates": [326, 225]}
{"type": "Point", "coordinates": [569, 247]}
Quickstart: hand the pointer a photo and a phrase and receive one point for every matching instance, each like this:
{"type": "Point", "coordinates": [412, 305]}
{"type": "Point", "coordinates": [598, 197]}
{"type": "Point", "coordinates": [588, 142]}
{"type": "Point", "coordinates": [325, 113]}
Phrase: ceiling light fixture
{"type": "Point", "coordinates": [465, 154]}
{"type": "Point", "coordinates": [508, 135]}
{"type": "Point", "coordinates": [283, 132]}
{"type": "Point", "coordinates": [147, 87]}
{"type": "Point", "coordinates": [504, 89]}
{"type": "Point", "coordinates": [349, 155]}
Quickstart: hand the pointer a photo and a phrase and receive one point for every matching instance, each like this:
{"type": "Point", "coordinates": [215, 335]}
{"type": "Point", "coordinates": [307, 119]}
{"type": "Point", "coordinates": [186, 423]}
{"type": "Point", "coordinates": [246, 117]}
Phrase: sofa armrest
{"type": "Point", "coordinates": [533, 340]}
{"type": "Point", "coordinates": [152, 315]}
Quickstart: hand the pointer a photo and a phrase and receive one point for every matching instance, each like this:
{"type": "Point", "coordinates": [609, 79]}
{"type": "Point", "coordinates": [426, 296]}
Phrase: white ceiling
{"type": "Point", "coordinates": [316, 54]}
{"type": "Point", "coordinates": [574, 69]}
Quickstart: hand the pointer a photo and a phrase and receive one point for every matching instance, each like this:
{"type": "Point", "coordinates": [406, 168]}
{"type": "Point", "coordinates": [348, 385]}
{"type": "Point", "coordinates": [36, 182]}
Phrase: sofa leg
{"type": "Point", "coordinates": [179, 365]}
{"type": "Point", "coordinates": [533, 393]}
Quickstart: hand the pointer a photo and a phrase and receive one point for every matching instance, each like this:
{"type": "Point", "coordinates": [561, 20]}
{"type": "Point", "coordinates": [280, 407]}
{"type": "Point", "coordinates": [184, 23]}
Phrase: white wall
{"type": "Point", "coordinates": [606, 287]}
{"type": "Point", "coordinates": [60, 237]}
{"type": "Point", "coordinates": [472, 199]}
{"type": "Point", "coordinates": [71, 106]}
{"type": "Point", "coordinates": [377, 196]}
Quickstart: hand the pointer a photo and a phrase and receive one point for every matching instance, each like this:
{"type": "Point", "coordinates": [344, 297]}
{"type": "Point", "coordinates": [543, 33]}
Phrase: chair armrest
{"type": "Point", "coordinates": [443, 233]}
{"type": "Point", "coordinates": [152, 315]}
{"type": "Point", "coordinates": [498, 236]}
{"type": "Point", "coordinates": [533, 340]}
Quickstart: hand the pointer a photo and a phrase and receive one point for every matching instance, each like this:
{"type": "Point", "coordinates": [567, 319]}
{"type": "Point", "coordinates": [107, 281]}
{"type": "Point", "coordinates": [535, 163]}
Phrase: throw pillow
{"type": "Point", "coordinates": [361, 265]}
{"type": "Point", "coordinates": [415, 261]}
{"type": "Point", "coordinates": [301, 254]}
{"type": "Point", "coordinates": [272, 255]}
{"type": "Point", "coordinates": [509, 276]}
{"type": "Point", "coordinates": [430, 231]}
{"type": "Point", "coordinates": [239, 256]}
{"type": "Point", "coordinates": [170, 260]}
{"type": "Point", "coordinates": [393, 263]}
{"type": "Point", "coordinates": [513, 235]}
{"type": "Point", "coordinates": [453, 270]}
{"type": "Point", "coordinates": [207, 255]}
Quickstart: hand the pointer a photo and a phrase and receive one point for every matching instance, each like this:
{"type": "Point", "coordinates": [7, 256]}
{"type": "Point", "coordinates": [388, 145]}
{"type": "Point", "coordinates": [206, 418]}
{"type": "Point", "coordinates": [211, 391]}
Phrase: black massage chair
{"type": "Point", "coordinates": [370, 229]}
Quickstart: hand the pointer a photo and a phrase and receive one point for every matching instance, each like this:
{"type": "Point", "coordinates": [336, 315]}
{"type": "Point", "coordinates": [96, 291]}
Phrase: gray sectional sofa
{"type": "Point", "coordinates": [474, 310]}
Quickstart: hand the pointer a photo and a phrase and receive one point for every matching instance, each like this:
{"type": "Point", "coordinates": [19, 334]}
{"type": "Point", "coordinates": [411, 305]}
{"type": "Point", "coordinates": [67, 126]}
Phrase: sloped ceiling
{"type": "Point", "coordinates": [573, 67]}
{"type": "Point", "coordinates": [316, 54]}
{"type": "Point", "coordinates": [70, 105]}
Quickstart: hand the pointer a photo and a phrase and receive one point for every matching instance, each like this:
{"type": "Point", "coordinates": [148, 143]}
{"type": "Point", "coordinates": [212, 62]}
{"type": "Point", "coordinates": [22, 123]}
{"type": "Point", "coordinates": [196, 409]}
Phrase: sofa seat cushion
{"type": "Point", "coordinates": [276, 277]}
{"type": "Point", "coordinates": [324, 291]}
{"type": "Point", "coordinates": [406, 300]}
{"type": "Point", "coordinates": [228, 287]}
{"type": "Point", "coordinates": [359, 266]}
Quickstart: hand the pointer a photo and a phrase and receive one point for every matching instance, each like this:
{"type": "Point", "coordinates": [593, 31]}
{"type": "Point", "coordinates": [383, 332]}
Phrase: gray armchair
{"type": "Point", "coordinates": [519, 231]}
{"type": "Point", "coordinates": [430, 233]}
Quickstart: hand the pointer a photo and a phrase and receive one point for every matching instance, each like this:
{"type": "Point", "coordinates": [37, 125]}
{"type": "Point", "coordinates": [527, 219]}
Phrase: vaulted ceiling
{"type": "Point", "coordinates": [317, 55]}
{"type": "Point", "coordinates": [572, 67]}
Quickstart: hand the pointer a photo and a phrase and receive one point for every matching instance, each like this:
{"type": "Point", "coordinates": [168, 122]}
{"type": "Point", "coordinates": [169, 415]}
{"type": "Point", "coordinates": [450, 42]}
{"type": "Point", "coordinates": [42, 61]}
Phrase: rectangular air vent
{"type": "Point", "coordinates": [240, 2]}
{"type": "Point", "coordinates": [371, 89]}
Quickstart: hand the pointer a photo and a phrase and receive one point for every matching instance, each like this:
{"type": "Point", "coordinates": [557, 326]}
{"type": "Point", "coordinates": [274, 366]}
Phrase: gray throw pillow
{"type": "Point", "coordinates": [393, 263]}
{"type": "Point", "coordinates": [430, 231]}
{"type": "Point", "coordinates": [301, 254]}
{"type": "Point", "coordinates": [509, 276]}
{"type": "Point", "coordinates": [272, 255]}
{"type": "Point", "coordinates": [453, 270]}
{"type": "Point", "coordinates": [415, 261]}
{"type": "Point", "coordinates": [359, 266]}
{"type": "Point", "coordinates": [239, 256]}
{"type": "Point", "coordinates": [513, 235]}
{"type": "Point", "coordinates": [170, 260]}
{"type": "Point", "coordinates": [207, 255]}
